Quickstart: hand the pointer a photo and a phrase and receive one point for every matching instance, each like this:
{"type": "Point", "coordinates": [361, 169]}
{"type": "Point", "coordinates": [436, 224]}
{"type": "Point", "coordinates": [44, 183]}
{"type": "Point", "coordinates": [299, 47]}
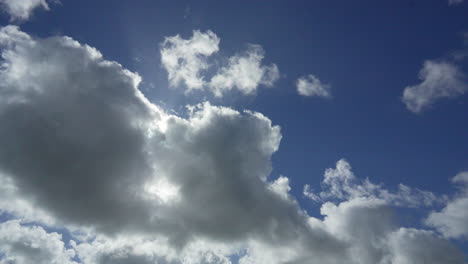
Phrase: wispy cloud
{"type": "Point", "coordinates": [310, 85]}
{"type": "Point", "coordinates": [440, 79]}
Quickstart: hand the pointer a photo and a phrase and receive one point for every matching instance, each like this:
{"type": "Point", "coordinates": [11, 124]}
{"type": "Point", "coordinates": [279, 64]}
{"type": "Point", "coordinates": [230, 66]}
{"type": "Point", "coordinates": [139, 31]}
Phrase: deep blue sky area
{"type": "Point", "coordinates": [368, 50]}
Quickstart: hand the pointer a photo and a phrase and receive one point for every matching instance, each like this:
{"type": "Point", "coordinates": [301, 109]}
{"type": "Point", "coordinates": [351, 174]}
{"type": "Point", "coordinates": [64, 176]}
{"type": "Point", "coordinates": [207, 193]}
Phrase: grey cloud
{"type": "Point", "coordinates": [83, 145]}
{"type": "Point", "coordinates": [455, 2]}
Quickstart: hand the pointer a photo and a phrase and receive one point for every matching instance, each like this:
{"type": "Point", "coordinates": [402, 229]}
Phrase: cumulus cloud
{"type": "Point", "coordinates": [310, 85]}
{"type": "Point", "coordinates": [187, 62]}
{"type": "Point", "coordinates": [22, 9]}
{"type": "Point", "coordinates": [453, 218]}
{"type": "Point", "coordinates": [439, 80]}
{"type": "Point", "coordinates": [245, 73]}
{"type": "Point", "coordinates": [184, 59]}
{"type": "Point", "coordinates": [135, 184]}
{"type": "Point", "coordinates": [32, 245]}
{"type": "Point", "coordinates": [81, 143]}
{"type": "Point", "coordinates": [340, 183]}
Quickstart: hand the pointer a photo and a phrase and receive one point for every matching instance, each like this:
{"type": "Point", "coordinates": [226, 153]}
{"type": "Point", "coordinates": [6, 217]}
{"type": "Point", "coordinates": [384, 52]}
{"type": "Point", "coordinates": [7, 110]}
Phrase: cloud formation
{"type": "Point", "coordinates": [22, 10]}
{"type": "Point", "coordinates": [84, 149]}
{"type": "Point", "coordinates": [452, 220]}
{"type": "Point", "coordinates": [341, 184]}
{"type": "Point", "coordinates": [32, 245]}
{"type": "Point", "coordinates": [310, 85]}
{"type": "Point", "coordinates": [245, 73]}
{"type": "Point", "coordinates": [187, 62]}
{"type": "Point", "coordinates": [184, 59]}
{"type": "Point", "coordinates": [439, 80]}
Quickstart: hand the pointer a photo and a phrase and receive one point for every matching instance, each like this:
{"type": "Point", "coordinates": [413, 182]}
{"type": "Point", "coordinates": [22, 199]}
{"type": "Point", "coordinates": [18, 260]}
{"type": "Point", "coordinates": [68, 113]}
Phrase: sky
{"type": "Point", "coordinates": [250, 132]}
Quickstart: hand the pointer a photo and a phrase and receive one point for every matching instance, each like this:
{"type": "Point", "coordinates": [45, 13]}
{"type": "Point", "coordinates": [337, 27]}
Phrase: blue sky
{"type": "Point", "coordinates": [365, 54]}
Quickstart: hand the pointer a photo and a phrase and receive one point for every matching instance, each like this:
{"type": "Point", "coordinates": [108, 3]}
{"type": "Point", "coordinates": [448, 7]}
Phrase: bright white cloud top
{"type": "Point", "coordinates": [451, 221]}
{"type": "Point", "coordinates": [184, 59]}
{"type": "Point", "coordinates": [22, 9]}
{"type": "Point", "coordinates": [104, 161]}
{"type": "Point", "coordinates": [310, 85]}
{"type": "Point", "coordinates": [439, 80]}
{"type": "Point", "coordinates": [245, 73]}
{"type": "Point", "coordinates": [187, 62]}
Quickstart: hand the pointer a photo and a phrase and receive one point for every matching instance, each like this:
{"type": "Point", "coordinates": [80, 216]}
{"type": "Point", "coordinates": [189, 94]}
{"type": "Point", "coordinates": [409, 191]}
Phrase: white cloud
{"type": "Point", "coordinates": [340, 183]}
{"type": "Point", "coordinates": [310, 85]}
{"type": "Point", "coordinates": [245, 73]}
{"type": "Point", "coordinates": [370, 228]}
{"type": "Point", "coordinates": [82, 144]}
{"type": "Point", "coordinates": [32, 245]}
{"type": "Point", "coordinates": [22, 9]}
{"type": "Point", "coordinates": [187, 61]}
{"type": "Point", "coordinates": [439, 80]}
{"type": "Point", "coordinates": [184, 59]}
{"type": "Point", "coordinates": [452, 220]}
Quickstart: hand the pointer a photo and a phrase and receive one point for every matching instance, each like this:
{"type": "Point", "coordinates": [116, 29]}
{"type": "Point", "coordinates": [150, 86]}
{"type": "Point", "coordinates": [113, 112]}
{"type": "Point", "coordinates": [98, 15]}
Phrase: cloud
{"type": "Point", "coordinates": [187, 62]}
{"type": "Point", "coordinates": [455, 2]}
{"type": "Point", "coordinates": [22, 10]}
{"type": "Point", "coordinates": [310, 85]}
{"type": "Point", "coordinates": [81, 143]}
{"type": "Point", "coordinates": [439, 80]}
{"type": "Point", "coordinates": [341, 184]}
{"type": "Point", "coordinates": [245, 73]}
{"type": "Point", "coordinates": [453, 218]}
{"type": "Point", "coordinates": [32, 245]}
{"type": "Point", "coordinates": [184, 59]}
{"type": "Point", "coordinates": [134, 184]}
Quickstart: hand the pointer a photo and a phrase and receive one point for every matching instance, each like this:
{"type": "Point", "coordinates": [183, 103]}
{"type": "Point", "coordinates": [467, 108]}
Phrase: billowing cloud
{"type": "Point", "coordinates": [83, 144]}
{"type": "Point", "coordinates": [245, 73]}
{"type": "Point", "coordinates": [184, 59]}
{"type": "Point", "coordinates": [22, 9]}
{"type": "Point", "coordinates": [370, 228]}
{"type": "Point", "coordinates": [84, 147]}
{"type": "Point", "coordinates": [340, 183]}
{"type": "Point", "coordinates": [439, 80]}
{"type": "Point", "coordinates": [187, 62]}
{"type": "Point", "coordinates": [310, 85]}
{"type": "Point", "coordinates": [32, 245]}
{"type": "Point", "coordinates": [452, 221]}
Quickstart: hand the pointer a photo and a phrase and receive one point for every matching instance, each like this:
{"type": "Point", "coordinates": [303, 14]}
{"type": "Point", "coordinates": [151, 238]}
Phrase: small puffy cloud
{"type": "Point", "coordinates": [187, 62]}
{"type": "Point", "coordinates": [245, 73]}
{"type": "Point", "coordinates": [452, 220]}
{"type": "Point", "coordinates": [310, 85]}
{"type": "Point", "coordinates": [22, 9]}
{"type": "Point", "coordinates": [184, 59]}
{"type": "Point", "coordinates": [439, 80]}
{"type": "Point", "coordinates": [32, 245]}
{"type": "Point", "coordinates": [340, 183]}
